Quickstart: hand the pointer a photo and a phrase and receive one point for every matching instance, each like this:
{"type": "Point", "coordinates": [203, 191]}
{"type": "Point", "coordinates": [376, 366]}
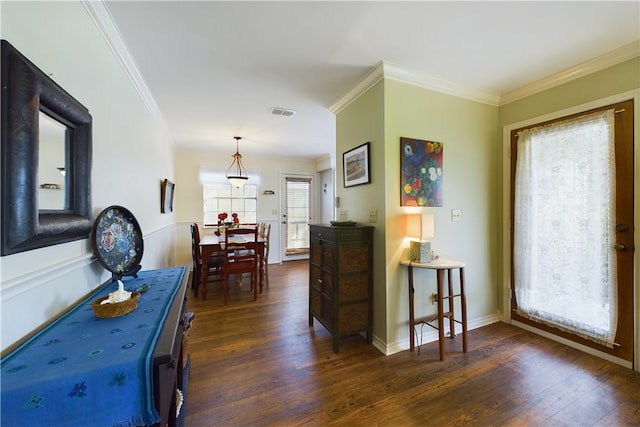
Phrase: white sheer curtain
{"type": "Point", "coordinates": [564, 223]}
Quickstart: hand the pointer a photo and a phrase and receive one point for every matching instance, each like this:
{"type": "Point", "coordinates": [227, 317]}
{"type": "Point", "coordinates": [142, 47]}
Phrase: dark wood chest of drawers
{"type": "Point", "coordinates": [340, 280]}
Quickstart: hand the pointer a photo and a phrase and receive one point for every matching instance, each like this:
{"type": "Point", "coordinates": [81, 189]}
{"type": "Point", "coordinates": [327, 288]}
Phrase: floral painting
{"type": "Point", "coordinates": [421, 172]}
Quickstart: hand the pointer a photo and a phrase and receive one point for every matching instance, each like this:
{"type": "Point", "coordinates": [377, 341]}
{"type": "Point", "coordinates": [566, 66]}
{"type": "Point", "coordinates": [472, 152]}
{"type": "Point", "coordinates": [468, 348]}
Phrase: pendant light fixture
{"type": "Point", "coordinates": [236, 173]}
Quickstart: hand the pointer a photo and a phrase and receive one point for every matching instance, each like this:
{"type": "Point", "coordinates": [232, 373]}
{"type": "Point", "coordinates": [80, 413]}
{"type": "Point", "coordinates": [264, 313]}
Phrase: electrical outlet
{"type": "Point", "coordinates": [456, 214]}
{"type": "Point", "coordinates": [373, 216]}
{"type": "Point", "coordinates": [344, 215]}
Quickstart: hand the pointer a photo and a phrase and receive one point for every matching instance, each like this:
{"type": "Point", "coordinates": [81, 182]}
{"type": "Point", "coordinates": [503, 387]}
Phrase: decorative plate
{"type": "Point", "coordinates": [117, 241]}
{"type": "Point", "coordinates": [343, 222]}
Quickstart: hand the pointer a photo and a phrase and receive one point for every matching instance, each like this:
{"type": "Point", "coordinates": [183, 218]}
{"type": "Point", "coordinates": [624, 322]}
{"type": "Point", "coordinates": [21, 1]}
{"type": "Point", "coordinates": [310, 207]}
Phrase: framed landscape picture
{"type": "Point", "coordinates": [356, 166]}
{"type": "Point", "coordinates": [166, 196]}
{"type": "Point", "coordinates": [420, 172]}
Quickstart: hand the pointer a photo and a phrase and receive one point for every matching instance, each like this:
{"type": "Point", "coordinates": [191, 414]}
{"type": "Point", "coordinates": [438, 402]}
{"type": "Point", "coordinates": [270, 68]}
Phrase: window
{"type": "Point", "coordinates": [298, 214]}
{"type": "Point", "coordinates": [564, 264]}
{"type": "Point", "coordinates": [224, 197]}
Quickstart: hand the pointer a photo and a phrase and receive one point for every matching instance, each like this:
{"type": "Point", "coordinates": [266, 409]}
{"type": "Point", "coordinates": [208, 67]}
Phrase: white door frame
{"type": "Point", "coordinates": [283, 211]}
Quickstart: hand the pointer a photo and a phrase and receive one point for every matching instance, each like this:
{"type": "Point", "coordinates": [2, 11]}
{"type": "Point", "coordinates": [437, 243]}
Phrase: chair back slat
{"type": "Point", "coordinates": [240, 255]}
{"type": "Point", "coordinates": [240, 245]}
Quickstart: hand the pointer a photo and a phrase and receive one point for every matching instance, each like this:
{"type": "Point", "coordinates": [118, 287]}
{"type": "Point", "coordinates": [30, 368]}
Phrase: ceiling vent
{"type": "Point", "coordinates": [282, 112]}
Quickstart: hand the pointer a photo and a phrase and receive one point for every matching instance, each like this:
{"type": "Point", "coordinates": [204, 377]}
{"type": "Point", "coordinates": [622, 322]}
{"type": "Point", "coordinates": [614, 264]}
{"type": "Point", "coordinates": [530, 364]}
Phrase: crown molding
{"type": "Point", "coordinates": [609, 59]}
{"type": "Point", "coordinates": [104, 23]}
{"type": "Point", "coordinates": [364, 84]}
{"type": "Point", "coordinates": [403, 74]}
{"type": "Point", "coordinates": [388, 70]}
{"type": "Point", "coordinates": [391, 71]}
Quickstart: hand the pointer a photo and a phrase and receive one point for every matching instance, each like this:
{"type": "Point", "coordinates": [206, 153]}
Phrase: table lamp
{"type": "Point", "coordinates": [420, 226]}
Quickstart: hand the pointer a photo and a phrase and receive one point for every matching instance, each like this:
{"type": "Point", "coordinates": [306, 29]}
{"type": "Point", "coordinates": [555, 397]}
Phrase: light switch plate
{"type": "Point", "coordinates": [456, 214]}
{"type": "Point", "coordinates": [373, 216]}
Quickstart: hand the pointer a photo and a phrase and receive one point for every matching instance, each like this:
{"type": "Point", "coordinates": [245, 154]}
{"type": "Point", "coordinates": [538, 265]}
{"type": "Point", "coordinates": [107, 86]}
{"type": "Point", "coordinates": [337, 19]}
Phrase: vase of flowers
{"type": "Point", "coordinates": [223, 224]}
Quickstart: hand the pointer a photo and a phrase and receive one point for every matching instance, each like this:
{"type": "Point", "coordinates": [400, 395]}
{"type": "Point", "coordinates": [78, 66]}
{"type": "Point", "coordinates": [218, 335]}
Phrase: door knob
{"type": "Point", "coordinates": [622, 227]}
{"type": "Point", "coordinates": [620, 246]}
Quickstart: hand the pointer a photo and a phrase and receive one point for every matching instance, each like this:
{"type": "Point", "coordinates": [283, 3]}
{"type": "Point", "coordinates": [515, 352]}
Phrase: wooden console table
{"type": "Point", "coordinates": [85, 371]}
{"type": "Point", "coordinates": [440, 266]}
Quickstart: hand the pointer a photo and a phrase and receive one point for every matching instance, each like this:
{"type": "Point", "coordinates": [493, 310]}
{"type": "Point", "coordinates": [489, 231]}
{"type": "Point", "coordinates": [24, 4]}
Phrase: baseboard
{"type": "Point", "coordinates": [429, 334]}
{"type": "Point", "coordinates": [572, 344]}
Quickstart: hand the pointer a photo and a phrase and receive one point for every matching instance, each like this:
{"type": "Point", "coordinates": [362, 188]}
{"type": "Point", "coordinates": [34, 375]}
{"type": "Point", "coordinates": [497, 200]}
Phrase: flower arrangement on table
{"type": "Point", "coordinates": [223, 224]}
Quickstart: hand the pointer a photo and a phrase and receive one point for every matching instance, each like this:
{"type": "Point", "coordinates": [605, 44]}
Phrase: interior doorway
{"type": "Point", "coordinates": [327, 196]}
{"type": "Point", "coordinates": [297, 213]}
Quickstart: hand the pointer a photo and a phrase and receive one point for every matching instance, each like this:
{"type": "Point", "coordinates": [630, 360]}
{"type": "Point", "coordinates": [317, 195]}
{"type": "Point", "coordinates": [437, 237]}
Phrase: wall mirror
{"type": "Point", "coordinates": [52, 169]}
{"type": "Point", "coordinates": [46, 159]}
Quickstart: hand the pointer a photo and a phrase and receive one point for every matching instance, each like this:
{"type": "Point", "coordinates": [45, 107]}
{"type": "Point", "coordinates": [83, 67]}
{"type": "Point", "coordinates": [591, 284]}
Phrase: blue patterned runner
{"type": "Point", "coordinates": [86, 371]}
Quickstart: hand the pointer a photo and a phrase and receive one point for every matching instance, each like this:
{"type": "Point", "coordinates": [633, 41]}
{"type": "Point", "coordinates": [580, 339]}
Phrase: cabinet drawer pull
{"type": "Point", "coordinates": [319, 280]}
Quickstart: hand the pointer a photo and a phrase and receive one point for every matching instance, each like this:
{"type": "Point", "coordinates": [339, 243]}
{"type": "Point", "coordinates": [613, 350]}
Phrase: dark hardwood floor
{"type": "Point", "coordinates": [260, 364]}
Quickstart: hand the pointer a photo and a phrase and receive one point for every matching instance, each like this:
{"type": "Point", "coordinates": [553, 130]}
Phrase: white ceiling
{"type": "Point", "coordinates": [214, 69]}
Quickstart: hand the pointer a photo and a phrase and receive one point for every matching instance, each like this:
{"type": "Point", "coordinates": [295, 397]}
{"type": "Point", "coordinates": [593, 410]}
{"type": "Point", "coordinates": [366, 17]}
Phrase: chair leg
{"type": "Point", "coordinates": [195, 281]}
{"type": "Point", "coordinates": [254, 286]}
{"type": "Point", "coordinates": [225, 288]}
{"type": "Point", "coordinates": [203, 284]}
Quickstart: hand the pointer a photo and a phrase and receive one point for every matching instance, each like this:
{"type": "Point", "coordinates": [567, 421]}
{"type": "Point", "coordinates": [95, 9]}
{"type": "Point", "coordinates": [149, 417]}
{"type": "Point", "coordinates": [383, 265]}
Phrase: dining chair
{"type": "Point", "coordinates": [240, 255]}
{"type": "Point", "coordinates": [265, 233]}
{"type": "Point", "coordinates": [214, 263]}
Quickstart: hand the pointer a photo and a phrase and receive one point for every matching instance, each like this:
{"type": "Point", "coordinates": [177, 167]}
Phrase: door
{"type": "Point", "coordinates": [297, 208]}
{"type": "Point", "coordinates": [542, 245]}
{"type": "Point", "coordinates": [327, 196]}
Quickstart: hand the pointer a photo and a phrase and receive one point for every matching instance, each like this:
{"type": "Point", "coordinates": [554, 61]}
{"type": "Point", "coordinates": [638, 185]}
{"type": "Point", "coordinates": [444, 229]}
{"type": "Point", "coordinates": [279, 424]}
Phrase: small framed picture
{"type": "Point", "coordinates": [356, 166]}
{"type": "Point", "coordinates": [166, 196]}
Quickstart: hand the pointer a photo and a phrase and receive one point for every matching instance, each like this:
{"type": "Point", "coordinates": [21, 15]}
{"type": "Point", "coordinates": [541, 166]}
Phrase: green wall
{"type": "Point", "coordinates": [363, 121]}
{"type": "Point", "coordinates": [619, 79]}
{"type": "Point", "coordinates": [467, 129]}
{"type": "Point", "coordinates": [616, 83]}
{"type": "Point", "coordinates": [473, 181]}
{"type": "Point", "coordinates": [610, 81]}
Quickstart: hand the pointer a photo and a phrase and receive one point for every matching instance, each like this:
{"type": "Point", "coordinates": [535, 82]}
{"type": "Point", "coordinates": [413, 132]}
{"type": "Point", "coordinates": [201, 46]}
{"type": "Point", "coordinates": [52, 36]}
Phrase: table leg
{"type": "Point", "coordinates": [463, 303]}
{"type": "Point", "coordinates": [412, 338]}
{"type": "Point", "coordinates": [261, 265]}
{"type": "Point", "coordinates": [452, 322]}
{"type": "Point", "coordinates": [254, 286]}
{"type": "Point", "coordinates": [440, 314]}
{"type": "Point", "coordinates": [204, 271]}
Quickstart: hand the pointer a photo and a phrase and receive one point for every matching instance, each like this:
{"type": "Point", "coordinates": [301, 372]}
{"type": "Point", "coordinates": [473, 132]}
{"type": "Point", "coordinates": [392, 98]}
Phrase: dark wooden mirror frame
{"type": "Point", "coordinates": [26, 91]}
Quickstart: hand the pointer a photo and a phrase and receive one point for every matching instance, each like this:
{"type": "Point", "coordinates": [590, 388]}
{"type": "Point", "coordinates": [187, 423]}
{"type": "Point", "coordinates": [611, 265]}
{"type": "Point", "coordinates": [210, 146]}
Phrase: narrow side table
{"type": "Point", "coordinates": [440, 266]}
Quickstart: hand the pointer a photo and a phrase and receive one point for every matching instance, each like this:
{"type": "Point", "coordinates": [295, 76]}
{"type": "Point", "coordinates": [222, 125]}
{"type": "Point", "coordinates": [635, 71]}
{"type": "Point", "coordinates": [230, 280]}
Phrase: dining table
{"type": "Point", "coordinates": [212, 243]}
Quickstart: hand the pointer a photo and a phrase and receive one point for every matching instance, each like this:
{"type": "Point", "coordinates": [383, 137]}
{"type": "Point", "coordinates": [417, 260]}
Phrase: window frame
{"type": "Point", "coordinates": [217, 191]}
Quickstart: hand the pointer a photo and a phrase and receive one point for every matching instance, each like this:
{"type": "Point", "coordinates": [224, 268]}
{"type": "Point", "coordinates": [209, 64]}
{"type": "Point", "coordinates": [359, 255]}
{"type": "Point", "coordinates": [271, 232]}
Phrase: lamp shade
{"type": "Point", "coordinates": [421, 227]}
{"type": "Point", "coordinates": [237, 181]}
